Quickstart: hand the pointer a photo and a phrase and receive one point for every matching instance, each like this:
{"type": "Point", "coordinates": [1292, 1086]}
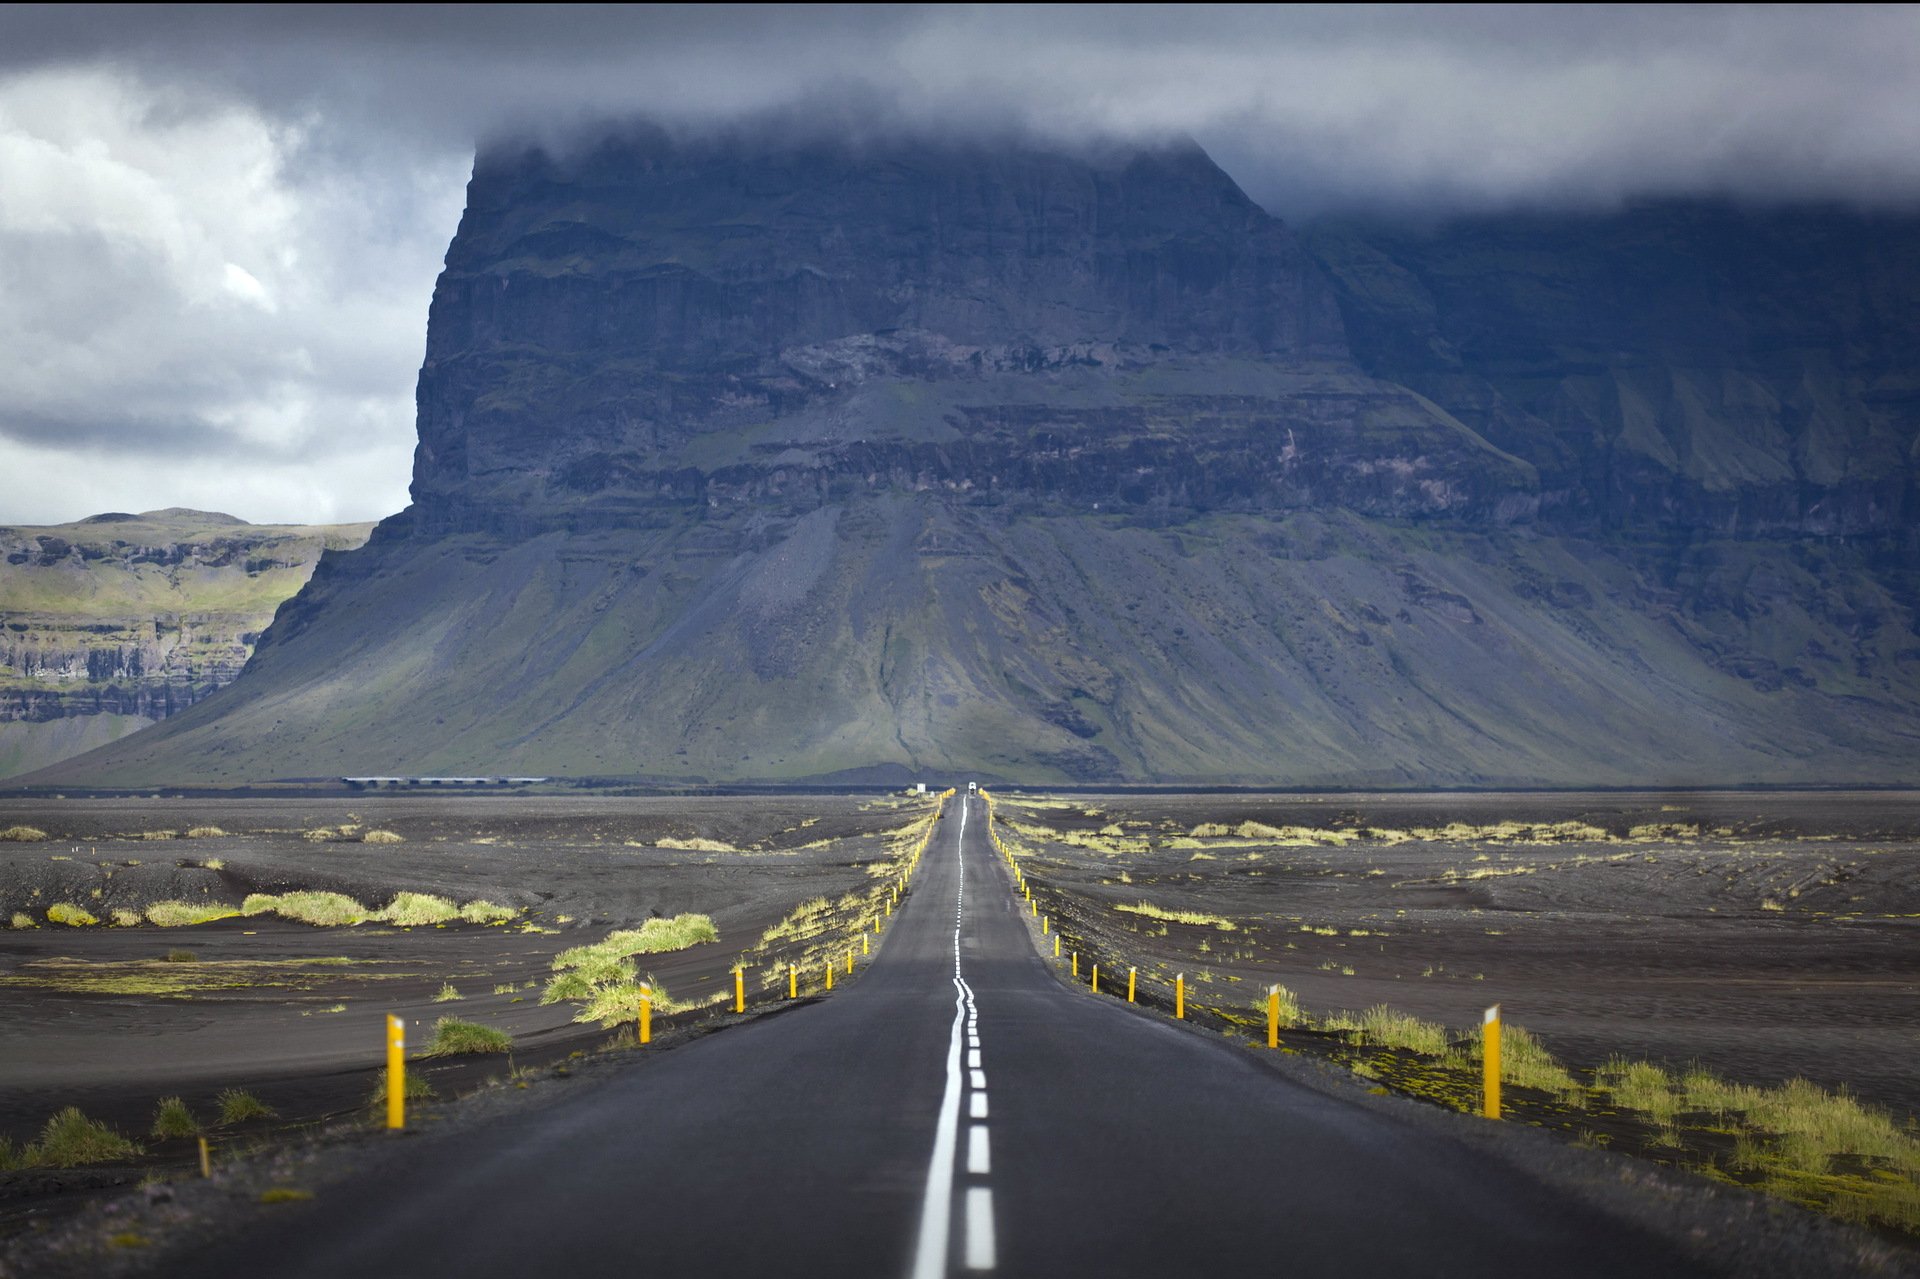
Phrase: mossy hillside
{"type": "Point", "coordinates": [1311, 650]}
{"type": "Point", "coordinates": [114, 622]}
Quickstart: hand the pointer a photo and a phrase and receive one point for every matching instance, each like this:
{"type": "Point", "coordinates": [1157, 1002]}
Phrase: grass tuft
{"type": "Point", "coordinates": [284, 1195]}
{"type": "Point", "coordinates": [70, 1139]}
{"type": "Point", "coordinates": [324, 910]}
{"type": "Point", "coordinates": [602, 974]}
{"type": "Point", "coordinates": [22, 834]}
{"type": "Point", "coordinates": [448, 994]}
{"type": "Point", "coordinates": [453, 1037]}
{"type": "Point", "coordinates": [179, 956]}
{"type": "Point", "coordinates": [1387, 1027]}
{"type": "Point", "coordinates": [179, 914]}
{"type": "Point", "coordinates": [172, 1119]}
{"type": "Point", "coordinates": [415, 909]}
{"type": "Point", "coordinates": [417, 1089]}
{"type": "Point", "coordinates": [238, 1105]}
{"type": "Point", "coordinates": [71, 915]}
{"type": "Point", "coordinates": [382, 837]}
{"type": "Point", "coordinates": [206, 832]}
{"type": "Point", "coordinates": [23, 920]}
{"type": "Point", "coordinates": [1152, 911]}
{"type": "Point", "coordinates": [1291, 1013]}
{"type": "Point", "coordinates": [484, 912]}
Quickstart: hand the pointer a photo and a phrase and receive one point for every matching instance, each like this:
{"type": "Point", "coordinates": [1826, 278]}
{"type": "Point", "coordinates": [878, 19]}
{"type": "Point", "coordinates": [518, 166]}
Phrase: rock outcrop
{"type": "Point", "coordinates": [760, 459]}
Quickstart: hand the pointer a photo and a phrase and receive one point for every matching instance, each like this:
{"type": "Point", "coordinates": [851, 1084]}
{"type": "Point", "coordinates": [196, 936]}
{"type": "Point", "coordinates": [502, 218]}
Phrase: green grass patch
{"type": "Point", "coordinates": [415, 909]}
{"type": "Point", "coordinates": [656, 936]}
{"type": "Point", "coordinates": [485, 912]}
{"type": "Point", "coordinates": [171, 1118]}
{"type": "Point", "coordinates": [179, 914]}
{"type": "Point", "coordinates": [453, 1037]}
{"type": "Point", "coordinates": [1152, 911]}
{"type": "Point", "coordinates": [694, 845]}
{"type": "Point", "coordinates": [71, 915]}
{"type": "Point", "coordinates": [1291, 1013]}
{"type": "Point", "coordinates": [447, 994]}
{"type": "Point", "coordinates": [206, 832]}
{"type": "Point", "coordinates": [324, 910]}
{"type": "Point", "coordinates": [382, 837]}
{"type": "Point", "coordinates": [23, 920]}
{"type": "Point", "coordinates": [417, 1089]}
{"type": "Point", "coordinates": [22, 834]}
{"type": "Point", "coordinates": [602, 976]}
{"type": "Point", "coordinates": [237, 1106]}
{"type": "Point", "coordinates": [70, 1140]}
{"type": "Point", "coordinates": [1385, 1027]}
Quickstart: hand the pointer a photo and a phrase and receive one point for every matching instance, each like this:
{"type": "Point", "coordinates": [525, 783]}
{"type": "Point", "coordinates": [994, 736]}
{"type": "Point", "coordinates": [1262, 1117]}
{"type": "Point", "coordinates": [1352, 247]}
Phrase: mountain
{"type": "Point", "coordinates": [763, 458]}
{"type": "Point", "coordinates": [114, 622]}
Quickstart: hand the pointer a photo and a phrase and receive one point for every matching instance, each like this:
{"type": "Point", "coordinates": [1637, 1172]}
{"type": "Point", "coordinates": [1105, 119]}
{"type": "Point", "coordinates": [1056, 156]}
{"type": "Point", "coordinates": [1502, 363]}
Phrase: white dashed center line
{"type": "Point", "coordinates": [931, 1254]}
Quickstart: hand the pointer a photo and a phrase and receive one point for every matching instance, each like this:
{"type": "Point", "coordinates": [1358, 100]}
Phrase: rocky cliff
{"type": "Point", "coordinates": [767, 459]}
{"type": "Point", "coordinates": [1676, 368]}
{"type": "Point", "coordinates": [112, 623]}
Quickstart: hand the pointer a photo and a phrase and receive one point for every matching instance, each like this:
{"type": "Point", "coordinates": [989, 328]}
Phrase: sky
{"type": "Point", "coordinates": [220, 227]}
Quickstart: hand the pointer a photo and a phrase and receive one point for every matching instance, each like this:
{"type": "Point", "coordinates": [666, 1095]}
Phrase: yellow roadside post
{"type": "Point", "coordinates": [1046, 923]}
{"type": "Point", "coordinates": [863, 945]}
{"type": "Point", "coordinates": [1056, 945]}
{"type": "Point", "coordinates": [206, 1164]}
{"type": "Point", "coordinates": [396, 1072]}
{"type": "Point", "coordinates": [1076, 963]}
{"type": "Point", "coordinates": [1273, 1017]}
{"type": "Point", "coordinates": [1096, 979]}
{"type": "Point", "coordinates": [739, 990]}
{"type": "Point", "coordinates": [849, 961]}
{"type": "Point", "coordinates": [646, 1014]}
{"type": "Point", "coordinates": [1130, 976]}
{"type": "Point", "coordinates": [1490, 1035]}
{"type": "Point", "coordinates": [1034, 904]}
{"type": "Point", "coordinates": [793, 982]}
{"type": "Point", "coordinates": [829, 974]}
{"type": "Point", "coordinates": [1180, 996]}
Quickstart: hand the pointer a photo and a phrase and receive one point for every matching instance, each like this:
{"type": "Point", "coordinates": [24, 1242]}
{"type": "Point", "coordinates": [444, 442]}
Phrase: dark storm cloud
{"type": "Point", "coordinates": [1311, 106]}
{"type": "Point", "coordinates": [219, 227]}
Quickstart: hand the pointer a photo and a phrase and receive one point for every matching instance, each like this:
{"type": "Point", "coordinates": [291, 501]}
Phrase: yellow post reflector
{"type": "Point", "coordinates": [1490, 1035]}
{"type": "Point", "coordinates": [396, 1072]}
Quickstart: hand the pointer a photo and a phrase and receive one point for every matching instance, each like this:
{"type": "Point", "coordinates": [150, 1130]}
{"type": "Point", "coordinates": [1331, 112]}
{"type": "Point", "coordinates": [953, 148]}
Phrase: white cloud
{"type": "Point", "coordinates": [191, 317]}
{"type": "Point", "coordinates": [219, 227]}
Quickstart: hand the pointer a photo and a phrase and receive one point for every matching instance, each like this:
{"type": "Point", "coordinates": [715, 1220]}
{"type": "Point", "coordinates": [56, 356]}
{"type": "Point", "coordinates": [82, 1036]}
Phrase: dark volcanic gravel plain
{"type": "Point", "coordinates": [1764, 935]}
{"type": "Point", "coordinates": [99, 1017]}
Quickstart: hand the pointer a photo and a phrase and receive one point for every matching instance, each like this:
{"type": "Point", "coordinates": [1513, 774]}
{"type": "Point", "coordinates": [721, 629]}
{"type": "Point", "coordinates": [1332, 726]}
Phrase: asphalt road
{"type": "Point", "coordinates": [955, 1110]}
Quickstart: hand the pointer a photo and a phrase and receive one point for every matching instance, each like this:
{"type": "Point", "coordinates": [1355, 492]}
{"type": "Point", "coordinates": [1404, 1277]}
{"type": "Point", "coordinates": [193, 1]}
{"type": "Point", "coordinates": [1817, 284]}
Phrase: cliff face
{"type": "Point", "coordinates": [1675, 368]}
{"type": "Point", "coordinates": [648, 327]}
{"type": "Point", "coordinates": [117, 621]}
{"type": "Point", "coordinates": [753, 461]}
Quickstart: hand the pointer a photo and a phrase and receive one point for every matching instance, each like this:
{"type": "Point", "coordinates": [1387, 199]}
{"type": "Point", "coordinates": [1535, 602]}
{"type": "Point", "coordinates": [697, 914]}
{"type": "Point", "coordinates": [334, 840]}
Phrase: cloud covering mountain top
{"type": "Point", "coordinates": [222, 225]}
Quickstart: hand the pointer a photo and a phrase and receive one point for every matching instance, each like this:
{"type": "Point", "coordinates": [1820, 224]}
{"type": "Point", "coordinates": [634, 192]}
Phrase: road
{"type": "Point", "coordinates": [955, 1110]}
